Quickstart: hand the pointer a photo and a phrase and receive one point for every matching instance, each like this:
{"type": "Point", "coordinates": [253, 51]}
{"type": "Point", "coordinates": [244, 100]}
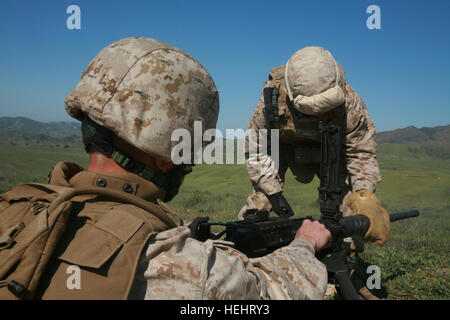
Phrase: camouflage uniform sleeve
{"type": "Point", "coordinates": [260, 166]}
{"type": "Point", "coordinates": [176, 266]}
{"type": "Point", "coordinates": [362, 161]}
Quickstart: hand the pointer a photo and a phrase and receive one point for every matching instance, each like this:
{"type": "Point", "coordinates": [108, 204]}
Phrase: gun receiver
{"type": "Point", "coordinates": [256, 239]}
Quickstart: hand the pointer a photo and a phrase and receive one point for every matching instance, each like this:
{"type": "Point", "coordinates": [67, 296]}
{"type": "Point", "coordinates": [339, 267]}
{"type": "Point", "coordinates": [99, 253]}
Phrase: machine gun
{"type": "Point", "coordinates": [258, 234]}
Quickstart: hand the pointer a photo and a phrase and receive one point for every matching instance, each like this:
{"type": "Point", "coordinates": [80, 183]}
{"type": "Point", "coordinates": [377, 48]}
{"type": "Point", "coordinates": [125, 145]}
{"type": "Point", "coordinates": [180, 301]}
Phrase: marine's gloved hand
{"type": "Point", "coordinates": [193, 226]}
{"type": "Point", "coordinates": [280, 205]}
{"type": "Point", "coordinates": [366, 203]}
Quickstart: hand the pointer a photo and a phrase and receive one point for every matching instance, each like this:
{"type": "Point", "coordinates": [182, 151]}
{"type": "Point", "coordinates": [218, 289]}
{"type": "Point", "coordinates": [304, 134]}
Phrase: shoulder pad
{"type": "Point", "coordinates": [277, 73]}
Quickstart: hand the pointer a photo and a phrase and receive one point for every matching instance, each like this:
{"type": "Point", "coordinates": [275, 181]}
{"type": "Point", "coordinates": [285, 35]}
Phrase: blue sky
{"type": "Point", "coordinates": [402, 71]}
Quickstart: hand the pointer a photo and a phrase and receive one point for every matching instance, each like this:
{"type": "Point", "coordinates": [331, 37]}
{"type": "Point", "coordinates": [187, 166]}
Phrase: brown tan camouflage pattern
{"type": "Point", "coordinates": [313, 70]}
{"type": "Point", "coordinates": [360, 145]}
{"type": "Point", "coordinates": [143, 89]}
{"type": "Point", "coordinates": [176, 266]}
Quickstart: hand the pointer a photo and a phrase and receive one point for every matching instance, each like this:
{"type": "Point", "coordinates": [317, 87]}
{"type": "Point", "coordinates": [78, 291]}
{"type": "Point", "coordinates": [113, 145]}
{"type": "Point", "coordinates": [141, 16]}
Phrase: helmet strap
{"type": "Point", "coordinates": [101, 138]}
{"type": "Point", "coordinates": [170, 181]}
{"type": "Point", "coordinates": [132, 165]}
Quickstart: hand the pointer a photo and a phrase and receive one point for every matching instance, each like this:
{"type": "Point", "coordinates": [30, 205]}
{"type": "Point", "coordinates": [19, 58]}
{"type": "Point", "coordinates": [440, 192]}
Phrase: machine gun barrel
{"type": "Point", "coordinates": [359, 224]}
{"type": "Point", "coordinates": [403, 215]}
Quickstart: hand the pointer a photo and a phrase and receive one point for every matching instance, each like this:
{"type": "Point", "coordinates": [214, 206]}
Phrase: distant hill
{"type": "Point", "coordinates": [428, 141]}
{"type": "Point", "coordinates": [431, 141]}
{"type": "Point", "coordinates": [413, 134]}
{"type": "Point", "coordinates": [55, 129]}
{"type": "Point", "coordinates": [21, 128]}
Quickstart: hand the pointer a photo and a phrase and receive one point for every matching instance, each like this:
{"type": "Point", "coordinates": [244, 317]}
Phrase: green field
{"type": "Point", "coordinates": [415, 262]}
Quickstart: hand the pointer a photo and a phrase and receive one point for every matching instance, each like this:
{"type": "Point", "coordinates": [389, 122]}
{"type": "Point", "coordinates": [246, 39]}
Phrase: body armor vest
{"type": "Point", "coordinates": [91, 252]}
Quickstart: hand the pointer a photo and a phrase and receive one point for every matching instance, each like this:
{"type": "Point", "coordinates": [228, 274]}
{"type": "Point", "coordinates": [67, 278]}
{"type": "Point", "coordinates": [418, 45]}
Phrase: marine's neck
{"type": "Point", "coordinates": [100, 163]}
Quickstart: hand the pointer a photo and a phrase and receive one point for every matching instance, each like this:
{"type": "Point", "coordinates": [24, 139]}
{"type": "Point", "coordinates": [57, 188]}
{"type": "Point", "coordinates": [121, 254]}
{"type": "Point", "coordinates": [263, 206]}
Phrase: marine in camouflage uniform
{"type": "Point", "coordinates": [126, 241]}
{"type": "Point", "coordinates": [312, 88]}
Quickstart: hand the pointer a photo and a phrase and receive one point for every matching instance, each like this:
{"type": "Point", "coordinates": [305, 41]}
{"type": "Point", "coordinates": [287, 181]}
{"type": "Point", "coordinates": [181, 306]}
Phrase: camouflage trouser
{"type": "Point", "coordinates": [303, 172]}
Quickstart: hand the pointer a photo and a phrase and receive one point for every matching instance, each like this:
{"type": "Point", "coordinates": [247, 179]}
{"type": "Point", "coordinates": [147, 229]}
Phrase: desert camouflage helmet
{"type": "Point", "coordinates": [313, 80]}
{"type": "Point", "coordinates": [142, 90]}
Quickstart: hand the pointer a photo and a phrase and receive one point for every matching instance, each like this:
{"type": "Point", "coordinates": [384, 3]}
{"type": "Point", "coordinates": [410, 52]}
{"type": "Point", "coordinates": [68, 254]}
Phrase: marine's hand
{"type": "Point", "coordinates": [315, 233]}
{"type": "Point", "coordinates": [366, 203]}
{"type": "Point", "coordinates": [280, 205]}
{"type": "Point", "coordinates": [193, 226]}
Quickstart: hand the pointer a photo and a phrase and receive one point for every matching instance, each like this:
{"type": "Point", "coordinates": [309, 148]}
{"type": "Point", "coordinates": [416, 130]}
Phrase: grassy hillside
{"type": "Point", "coordinates": [415, 262]}
{"type": "Point", "coordinates": [30, 162]}
{"type": "Point", "coordinates": [52, 129]}
{"type": "Point", "coordinates": [430, 141]}
{"type": "Point", "coordinates": [413, 134]}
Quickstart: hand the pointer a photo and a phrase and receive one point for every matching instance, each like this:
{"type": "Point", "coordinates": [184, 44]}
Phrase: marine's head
{"type": "Point", "coordinates": [314, 81]}
{"type": "Point", "coordinates": [136, 92]}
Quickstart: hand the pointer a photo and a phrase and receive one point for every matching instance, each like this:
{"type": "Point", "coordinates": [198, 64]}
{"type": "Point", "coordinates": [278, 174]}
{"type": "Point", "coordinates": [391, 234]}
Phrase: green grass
{"type": "Point", "coordinates": [26, 162]}
{"type": "Point", "coordinates": [415, 262]}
